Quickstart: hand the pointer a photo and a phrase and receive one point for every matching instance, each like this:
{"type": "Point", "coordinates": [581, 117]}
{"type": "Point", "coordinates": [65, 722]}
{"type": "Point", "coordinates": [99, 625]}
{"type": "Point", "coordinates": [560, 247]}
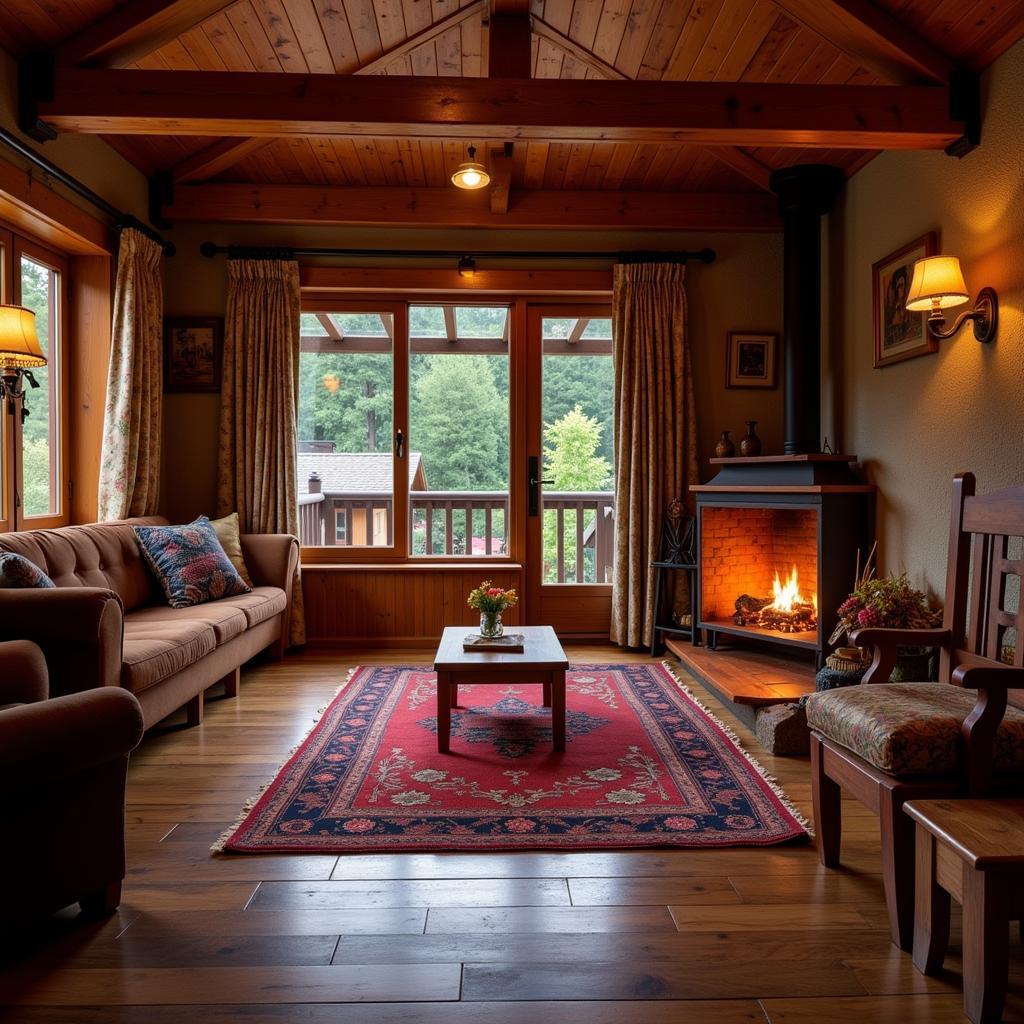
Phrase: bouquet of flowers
{"type": "Point", "coordinates": [889, 603]}
{"type": "Point", "coordinates": [490, 601]}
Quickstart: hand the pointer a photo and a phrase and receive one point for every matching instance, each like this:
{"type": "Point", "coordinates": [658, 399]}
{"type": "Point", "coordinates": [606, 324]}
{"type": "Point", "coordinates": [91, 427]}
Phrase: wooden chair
{"type": "Point", "coordinates": [900, 741]}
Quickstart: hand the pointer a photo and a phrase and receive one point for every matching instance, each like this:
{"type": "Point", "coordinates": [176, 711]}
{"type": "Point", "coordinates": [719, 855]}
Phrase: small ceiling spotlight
{"type": "Point", "coordinates": [469, 174]}
{"type": "Point", "coordinates": [467, 267]}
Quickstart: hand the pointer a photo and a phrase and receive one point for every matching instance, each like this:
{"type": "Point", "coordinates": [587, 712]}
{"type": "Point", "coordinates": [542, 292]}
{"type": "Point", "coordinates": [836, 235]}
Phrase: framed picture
{"type": "Point", "coordinates": [193, 346]}
{"type": "Point", "coordinates": [750, 360]}
{"type": "Point", "coordinates": [900, 334]}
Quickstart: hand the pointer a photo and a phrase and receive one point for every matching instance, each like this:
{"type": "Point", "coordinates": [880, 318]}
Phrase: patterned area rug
{"type": "Point", "coordinates": [645, 765]}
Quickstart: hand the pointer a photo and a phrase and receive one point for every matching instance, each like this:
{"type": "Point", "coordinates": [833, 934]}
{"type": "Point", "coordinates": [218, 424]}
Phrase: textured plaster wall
{"type": "Point", "coordinates": [917, 423]}
{"type": "Point", "coordinates": [742, 290]}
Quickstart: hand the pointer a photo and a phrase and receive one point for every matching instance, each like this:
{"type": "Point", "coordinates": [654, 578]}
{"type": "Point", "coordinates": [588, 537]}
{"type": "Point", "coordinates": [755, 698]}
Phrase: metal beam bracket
{"type": "Point", "coordinates": [161, 194]}
{"type": "Point", "coordinates": [965, 105]}
{"type": "Point", "coordinates": [35, 84]}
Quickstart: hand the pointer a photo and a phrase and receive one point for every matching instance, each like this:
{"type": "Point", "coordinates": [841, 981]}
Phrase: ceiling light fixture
{"type": "Point", "coordinates": [467, 267]}
{"type": "Point", "coordinates": [471, 175]}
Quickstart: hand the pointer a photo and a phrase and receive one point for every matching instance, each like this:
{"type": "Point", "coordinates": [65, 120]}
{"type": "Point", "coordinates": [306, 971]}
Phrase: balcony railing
{"type": "Point", "coordinates": [579, 529]}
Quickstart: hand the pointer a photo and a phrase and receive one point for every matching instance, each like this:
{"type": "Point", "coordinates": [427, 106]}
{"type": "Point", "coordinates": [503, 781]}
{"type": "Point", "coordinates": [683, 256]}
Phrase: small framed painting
{"type": "Point", "coordinates": [750, 360]}
{"type": "Point", "coordinates": [193, 346]}
{"type": "Point", "coordinates": [900, 334]}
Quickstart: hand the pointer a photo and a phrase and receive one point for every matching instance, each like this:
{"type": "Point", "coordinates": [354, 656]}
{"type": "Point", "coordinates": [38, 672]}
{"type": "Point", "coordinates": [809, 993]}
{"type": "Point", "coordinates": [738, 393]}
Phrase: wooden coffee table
{"type": "Point", "coordinates": [542, 661]}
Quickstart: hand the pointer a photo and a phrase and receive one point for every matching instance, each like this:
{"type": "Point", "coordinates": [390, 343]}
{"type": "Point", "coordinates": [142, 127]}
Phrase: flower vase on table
{"type": "Point", "coordinates": [491, 625]}
{"type": "Point", "coordinates": [490, 601]}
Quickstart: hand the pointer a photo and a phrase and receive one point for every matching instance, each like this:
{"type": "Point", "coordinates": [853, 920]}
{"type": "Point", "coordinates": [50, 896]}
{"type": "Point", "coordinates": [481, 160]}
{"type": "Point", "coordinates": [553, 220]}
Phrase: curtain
{"type": "Point", "coordinates": [259, 396]}
{"type": "Point", "coordinates": [655, 434]}
{"type": "Point", "coordinates": [129, 482]}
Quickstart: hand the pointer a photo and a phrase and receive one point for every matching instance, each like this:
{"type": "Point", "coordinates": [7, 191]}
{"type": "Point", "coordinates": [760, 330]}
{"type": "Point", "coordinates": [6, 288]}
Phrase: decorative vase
{"type": "Point", "coordinates": [490, 624]}
{"type": "Point", "coordinates": [725, 449]}
{"type": "Point", "coordinates": [750, 445]}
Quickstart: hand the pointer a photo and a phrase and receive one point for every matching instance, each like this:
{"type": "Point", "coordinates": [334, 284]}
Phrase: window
{"type": "Point", "coordinates": [32, 465]}
{"type": "Point", "coordinates": [577, 408]}
{"type": "Point", "coordinates": [459, 429]}
{"type": "Point", "coordinates": [346, 414]}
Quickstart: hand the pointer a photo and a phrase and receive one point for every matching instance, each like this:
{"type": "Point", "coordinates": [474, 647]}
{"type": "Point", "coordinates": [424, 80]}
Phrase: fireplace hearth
{"type": "Point", "coordinates": [777, 546]}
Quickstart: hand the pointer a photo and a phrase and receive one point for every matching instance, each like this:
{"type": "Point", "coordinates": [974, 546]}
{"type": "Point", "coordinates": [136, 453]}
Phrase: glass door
{"type": "Point", "coordinates": [570, 437]}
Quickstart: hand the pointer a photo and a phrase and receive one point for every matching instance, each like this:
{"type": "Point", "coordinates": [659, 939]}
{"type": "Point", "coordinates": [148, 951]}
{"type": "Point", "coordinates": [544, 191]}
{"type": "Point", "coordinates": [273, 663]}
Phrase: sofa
{"type": "Point", "coordinates": [64, 761]}
{"type": "Point", "coordinates": [107, 623]}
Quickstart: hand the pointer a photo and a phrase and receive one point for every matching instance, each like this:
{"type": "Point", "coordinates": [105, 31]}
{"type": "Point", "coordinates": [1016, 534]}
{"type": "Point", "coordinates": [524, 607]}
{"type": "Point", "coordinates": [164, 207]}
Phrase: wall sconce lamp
{"type": "Point", "coordinates": [470, 174]}
{"type": "Point", "coordinates": [19, 354]}
{"type": "Point", "coordinates": [938, 283]}
{"type": "Point", "coordinates": [467, 267]}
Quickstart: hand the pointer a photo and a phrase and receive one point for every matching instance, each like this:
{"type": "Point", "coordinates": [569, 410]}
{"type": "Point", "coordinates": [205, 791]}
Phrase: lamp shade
{"type": "Point", "coordinates": [19, 344]}
{"type": "Point", "coordinates": [469, 174]}
{"type": "Point", "coordinates": [938, 282]}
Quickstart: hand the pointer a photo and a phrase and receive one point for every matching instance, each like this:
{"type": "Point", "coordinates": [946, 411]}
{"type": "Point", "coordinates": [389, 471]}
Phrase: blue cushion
{"type": "Point", "coordinates": [190, 563]}
{"type": "Point", "coordinates": [18, 573]}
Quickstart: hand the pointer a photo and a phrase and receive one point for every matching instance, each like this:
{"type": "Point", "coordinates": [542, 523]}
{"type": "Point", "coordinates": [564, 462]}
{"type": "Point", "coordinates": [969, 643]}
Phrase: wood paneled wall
{"type": "Point", "coordinates": [395, 606]}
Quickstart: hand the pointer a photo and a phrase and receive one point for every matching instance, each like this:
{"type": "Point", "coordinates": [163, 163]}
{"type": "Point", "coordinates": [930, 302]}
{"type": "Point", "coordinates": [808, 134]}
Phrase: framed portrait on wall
{"type": "Point", "coordinates": [193, 346]}
{"type": "Point", "coordinates": [900, 334]}
{"type": "Point", "coordinates": [750, 360]}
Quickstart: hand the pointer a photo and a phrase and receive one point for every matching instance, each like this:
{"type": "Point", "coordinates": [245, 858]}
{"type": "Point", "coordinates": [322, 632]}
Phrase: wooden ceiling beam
{"type": "Point", "coordinates": [874, 38]}
{"type": "Point", "coordinates": [447, 207]}
{"type": "Point", "coordinates": [509, 43]}
{"type": "Point", "coordinates": [750, 167]}
{"type": "Point", "coordinates": [500, 166]}
{"type": "Point", "coordinates": [218, 103]}
{"type": "Point", "coordinates": [134, 30]}
{"type": "Point", "coordinates": [217, 157]}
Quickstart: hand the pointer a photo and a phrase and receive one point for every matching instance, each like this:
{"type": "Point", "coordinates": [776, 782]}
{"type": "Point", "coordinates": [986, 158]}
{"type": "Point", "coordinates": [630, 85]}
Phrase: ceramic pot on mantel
{"type": "Point", "coordinates": [750, 445]}
{"type": "Point", "coordinates": [725, 449]}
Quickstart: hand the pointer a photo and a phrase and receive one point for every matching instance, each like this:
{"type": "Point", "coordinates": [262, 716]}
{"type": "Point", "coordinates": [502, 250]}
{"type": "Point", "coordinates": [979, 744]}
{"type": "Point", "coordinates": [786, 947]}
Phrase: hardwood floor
{"type": "Point", "coordinates": [644, 937]}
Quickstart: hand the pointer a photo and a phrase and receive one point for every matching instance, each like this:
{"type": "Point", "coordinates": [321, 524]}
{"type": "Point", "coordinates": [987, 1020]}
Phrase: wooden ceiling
{"type": "Point", "coordinates": [807, 43]}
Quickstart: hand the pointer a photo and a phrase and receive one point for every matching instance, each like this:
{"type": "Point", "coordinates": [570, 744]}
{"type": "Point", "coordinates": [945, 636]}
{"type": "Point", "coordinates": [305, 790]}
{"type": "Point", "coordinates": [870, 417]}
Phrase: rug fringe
{"type": "Point", "coordinates": [734, 739]}
{"type": "Point", "coordinates": [221, 841]}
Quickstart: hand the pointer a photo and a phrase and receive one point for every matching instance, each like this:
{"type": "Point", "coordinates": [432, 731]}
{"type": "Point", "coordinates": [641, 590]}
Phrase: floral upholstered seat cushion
{"type": "Point", "coordinates": [189, 563]}
{"type": "Point", "coordinates": [18, 573]}
{"type": "Point", "coordinates": [911, 728]}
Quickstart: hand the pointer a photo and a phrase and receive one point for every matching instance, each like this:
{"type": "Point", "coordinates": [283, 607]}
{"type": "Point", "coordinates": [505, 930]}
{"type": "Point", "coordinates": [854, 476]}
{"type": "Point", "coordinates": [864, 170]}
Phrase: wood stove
{"type": "Point", "coordinates": [778, 539]}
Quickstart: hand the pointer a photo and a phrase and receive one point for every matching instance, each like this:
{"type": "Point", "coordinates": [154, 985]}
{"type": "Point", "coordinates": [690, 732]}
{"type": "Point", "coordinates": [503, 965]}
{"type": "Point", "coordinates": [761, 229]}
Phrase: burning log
{"type": "Point", "coordinates": [785, 612]}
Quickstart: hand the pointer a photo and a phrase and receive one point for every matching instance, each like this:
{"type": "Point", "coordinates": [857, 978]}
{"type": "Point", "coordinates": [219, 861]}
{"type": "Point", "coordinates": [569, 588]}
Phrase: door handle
{"type": "Point", "coordinates": [533, 475]}
{"type": "Point", "coordinates": [399, 444]}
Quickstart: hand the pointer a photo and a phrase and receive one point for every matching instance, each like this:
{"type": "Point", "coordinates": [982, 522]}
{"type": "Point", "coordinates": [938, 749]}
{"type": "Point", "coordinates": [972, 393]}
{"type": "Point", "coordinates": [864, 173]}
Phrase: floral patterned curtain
{"type": "Point", "coordinates": [129, 482]}
{"type": "Point", "coordinates": [655, 434]}
{"type": "Point", "coordinates": [259, 405]}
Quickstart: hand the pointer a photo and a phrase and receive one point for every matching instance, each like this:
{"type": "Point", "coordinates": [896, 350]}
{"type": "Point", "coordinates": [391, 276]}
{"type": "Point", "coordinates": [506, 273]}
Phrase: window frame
{"type": "Point", "coordinates": [14, 245]}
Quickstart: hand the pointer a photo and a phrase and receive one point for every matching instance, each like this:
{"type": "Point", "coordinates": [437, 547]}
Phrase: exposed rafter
{"type": "Point", "coordinates": [134, 30]}
{"type": "Point", "coordinates": [509, 47]}
{"type": "Point", "coordinates": [226, 153]}
{"type": "Point", "coordinates": [217, 157]}
{"type": "Point", "coordinates": [874, 38]}
{"type": "Point", "coordinates": [747, 165]}
{"type": "Point", "coordinates": [711, 113]}
{"type": "Point", "coordinates": [447, 207]}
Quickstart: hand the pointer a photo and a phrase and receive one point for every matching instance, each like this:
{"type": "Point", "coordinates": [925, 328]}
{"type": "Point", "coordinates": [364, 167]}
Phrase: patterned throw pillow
{"type": "Point", "coordinates": [189, 563]}
{"type": "Point", "coordinates": [18, 573]}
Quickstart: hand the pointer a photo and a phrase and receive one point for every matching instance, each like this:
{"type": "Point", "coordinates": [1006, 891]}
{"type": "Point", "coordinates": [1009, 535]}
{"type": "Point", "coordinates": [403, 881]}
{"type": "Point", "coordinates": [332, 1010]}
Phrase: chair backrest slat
{"type": "Point", "coordinates": [979, 594]}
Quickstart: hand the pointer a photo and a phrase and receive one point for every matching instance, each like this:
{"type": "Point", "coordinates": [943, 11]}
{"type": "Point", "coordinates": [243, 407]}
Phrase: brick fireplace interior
{"type": "Point", "coordinates": [742, 549]}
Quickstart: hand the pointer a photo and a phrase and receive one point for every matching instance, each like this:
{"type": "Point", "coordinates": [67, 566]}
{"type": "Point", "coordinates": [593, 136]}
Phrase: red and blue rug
{"type": "Point", "coordinates": [645, 765]}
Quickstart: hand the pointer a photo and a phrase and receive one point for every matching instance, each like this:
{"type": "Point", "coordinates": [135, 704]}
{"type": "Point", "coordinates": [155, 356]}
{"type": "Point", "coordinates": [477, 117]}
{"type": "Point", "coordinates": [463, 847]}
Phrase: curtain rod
{"type": "Point", "coordinates": [256, 252]}
{"type": "Point", "coordinates": [121, 219]}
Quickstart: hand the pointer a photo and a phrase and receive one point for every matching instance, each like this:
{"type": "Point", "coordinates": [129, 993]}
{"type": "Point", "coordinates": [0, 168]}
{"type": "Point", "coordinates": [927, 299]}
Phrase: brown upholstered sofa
{"type": "Point", "coordinates": [63, 762]}
{"type": "Point", "coordinates": [107, 622]}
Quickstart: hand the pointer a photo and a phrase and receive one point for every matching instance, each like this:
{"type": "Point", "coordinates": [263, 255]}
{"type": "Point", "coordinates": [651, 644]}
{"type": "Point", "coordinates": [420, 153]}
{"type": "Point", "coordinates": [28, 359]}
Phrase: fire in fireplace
{"type": "Point", "coordinates": [786, 611]}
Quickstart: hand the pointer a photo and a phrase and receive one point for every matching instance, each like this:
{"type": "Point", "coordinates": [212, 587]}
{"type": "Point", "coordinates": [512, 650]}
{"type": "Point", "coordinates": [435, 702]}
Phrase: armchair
{"type": "Point", "coordinates": [63, 762]}
{"type": "Point", "coordinates": [886, 743]}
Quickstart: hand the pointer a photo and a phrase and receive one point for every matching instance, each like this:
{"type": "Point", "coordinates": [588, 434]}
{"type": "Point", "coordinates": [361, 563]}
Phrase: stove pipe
{"type": "Point", "coordinates": [806, 193]}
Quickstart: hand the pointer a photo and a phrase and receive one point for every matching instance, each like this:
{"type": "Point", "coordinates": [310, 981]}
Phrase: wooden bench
{"type": "Point", "coordinates": [972, 850]}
